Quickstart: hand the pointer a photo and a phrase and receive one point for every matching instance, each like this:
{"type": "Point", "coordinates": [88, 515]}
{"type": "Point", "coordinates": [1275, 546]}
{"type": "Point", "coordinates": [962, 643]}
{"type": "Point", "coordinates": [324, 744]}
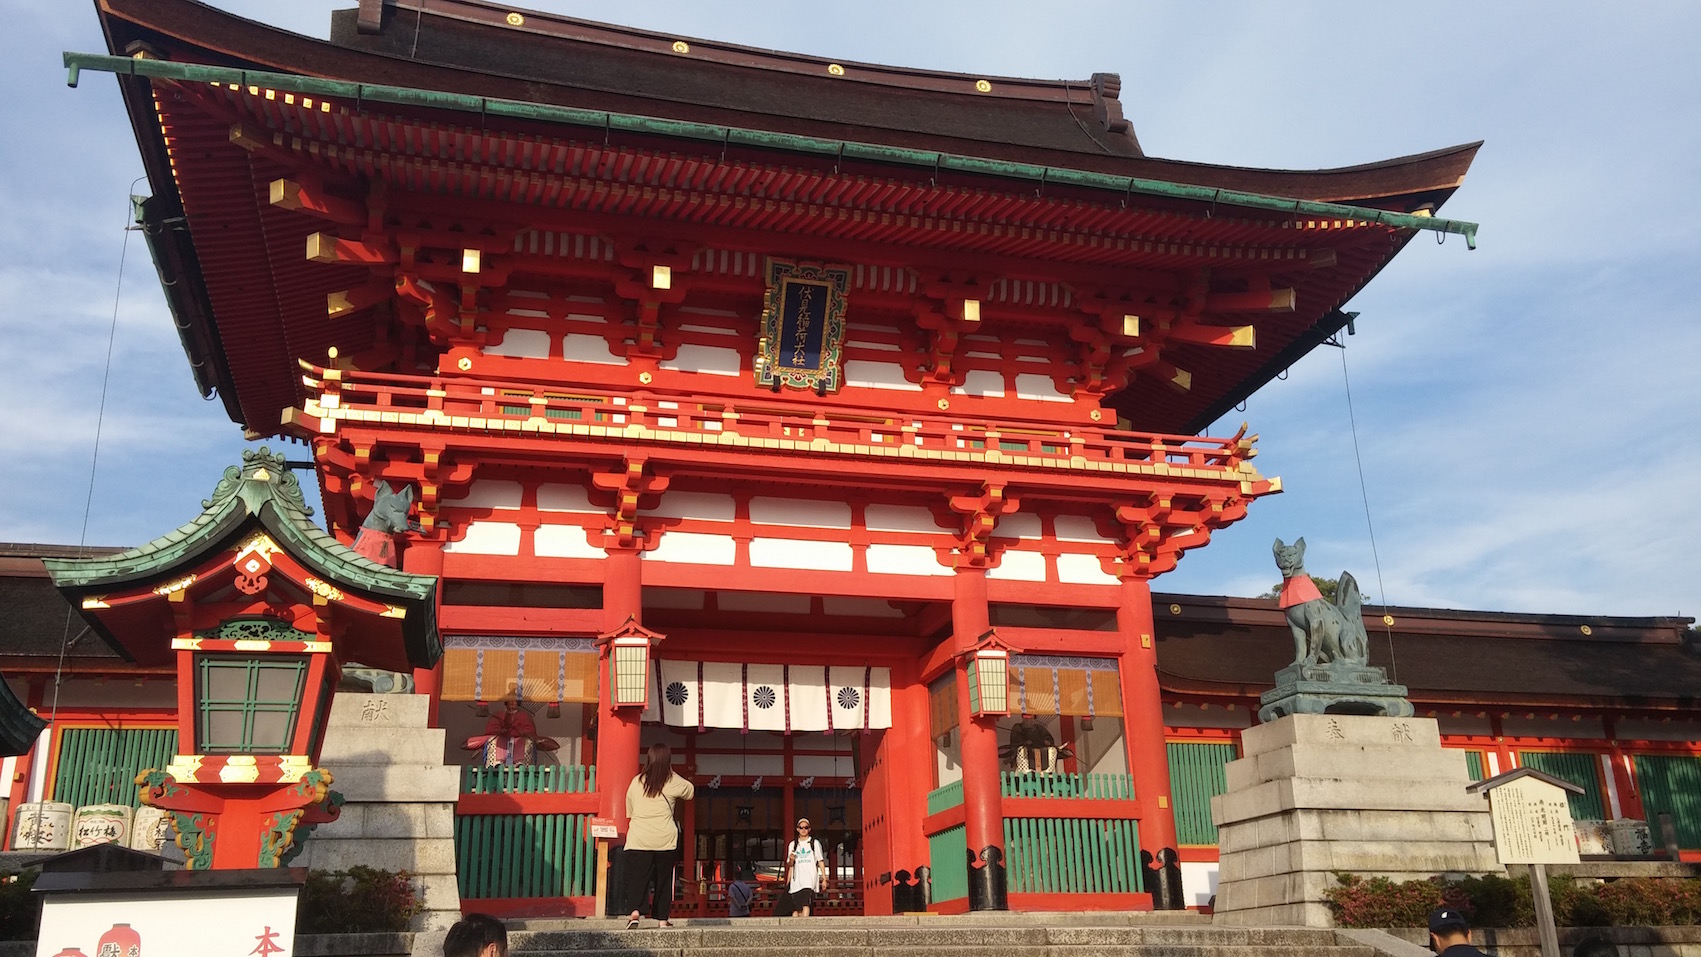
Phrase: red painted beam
{"type": "Point", "coordinates": [472, 805]}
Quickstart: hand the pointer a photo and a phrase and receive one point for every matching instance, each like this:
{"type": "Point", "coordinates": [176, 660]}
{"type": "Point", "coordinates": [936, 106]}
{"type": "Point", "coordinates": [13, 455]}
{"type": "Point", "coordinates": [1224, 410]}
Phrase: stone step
{"type": "Point", "coordinates": [927, 937]}
{"type": "Point", "coordinates": [660, 949]}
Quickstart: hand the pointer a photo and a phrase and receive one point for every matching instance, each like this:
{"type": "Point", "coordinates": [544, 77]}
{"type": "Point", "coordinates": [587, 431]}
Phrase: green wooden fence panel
{"type": "Point", "coordinates": [99, 765]}
{"type": "Point", "coordinates": [1097, 787]}
{"type": "Point", "coordinates": [1069, 856]}
{"type": "Point", "coordinates": [529, 779]}
{"type": "Point", "coordinates": [1474, 765]}
{"type": "Point", "coordinates": [1196, 776]}
{"type": "Point", "coordinates": [945, 798]}
{"type": "Point", "coordinates": [1672, 784]}
{"type": "Point", "coordinates": [1583, 770]}
{"type": "Point", "coordinates": [525, 855]}
{"type": "Point", "coordinates": [948, 852]}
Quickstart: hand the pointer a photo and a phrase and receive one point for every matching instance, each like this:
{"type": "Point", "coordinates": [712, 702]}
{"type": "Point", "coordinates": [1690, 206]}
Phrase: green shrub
{"type": "Point", "coordinates": [1492, 901]}
{"type": "Point", "coordinates": [360, 900]}
{"type": "Point", "coordinates": [20, 910]}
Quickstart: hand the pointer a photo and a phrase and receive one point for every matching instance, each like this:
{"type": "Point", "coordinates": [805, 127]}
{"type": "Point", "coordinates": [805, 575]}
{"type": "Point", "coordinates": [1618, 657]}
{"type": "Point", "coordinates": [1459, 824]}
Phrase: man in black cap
{"type": "Point", "coordinates": [1450, 934]}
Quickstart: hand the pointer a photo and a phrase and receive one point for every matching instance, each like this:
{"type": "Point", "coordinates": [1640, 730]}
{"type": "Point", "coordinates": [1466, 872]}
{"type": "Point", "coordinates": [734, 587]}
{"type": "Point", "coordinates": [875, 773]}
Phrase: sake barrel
{"type": "Point", "coordinates": [101, 824]}
{"type": "Point", "coordinates": [44, 826]}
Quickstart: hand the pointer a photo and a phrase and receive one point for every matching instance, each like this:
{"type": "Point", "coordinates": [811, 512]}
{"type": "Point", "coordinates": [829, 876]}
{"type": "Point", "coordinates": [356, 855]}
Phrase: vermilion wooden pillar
{"type": "Point", "coordinates": [425, 557]}
{"type": "Point", "coordinates": [983, 804]}
{"type": "Point", "coordinates": [1143, 717]}
{"type": "Point", "coordinates": [618, 729]}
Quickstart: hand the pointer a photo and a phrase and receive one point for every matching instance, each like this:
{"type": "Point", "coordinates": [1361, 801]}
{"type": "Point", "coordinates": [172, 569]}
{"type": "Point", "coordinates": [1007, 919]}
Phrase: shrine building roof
{"type": "Point", "coordinates": [467, 100]}
{"type": "Point", "coordinates": [398, 609]}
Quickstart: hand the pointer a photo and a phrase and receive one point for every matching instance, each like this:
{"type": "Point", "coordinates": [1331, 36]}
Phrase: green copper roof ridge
{"type": "Point", "coordinates": [276, 505]}
{"type": "Point", "coordinates": [1127, 185]}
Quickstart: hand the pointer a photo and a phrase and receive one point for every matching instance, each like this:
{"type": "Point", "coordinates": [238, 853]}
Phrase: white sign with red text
{"type": "Point", "coordinates": [255, 923]}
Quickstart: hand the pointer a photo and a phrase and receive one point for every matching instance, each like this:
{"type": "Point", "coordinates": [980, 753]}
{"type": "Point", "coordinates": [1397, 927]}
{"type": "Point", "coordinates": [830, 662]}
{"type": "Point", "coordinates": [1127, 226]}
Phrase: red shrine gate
{"type": "Point", "coordinates": [776, 385]}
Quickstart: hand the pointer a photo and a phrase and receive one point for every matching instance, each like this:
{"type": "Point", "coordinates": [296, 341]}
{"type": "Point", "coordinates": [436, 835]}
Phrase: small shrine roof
{"type": "Point", "coordinates": [262, 493]}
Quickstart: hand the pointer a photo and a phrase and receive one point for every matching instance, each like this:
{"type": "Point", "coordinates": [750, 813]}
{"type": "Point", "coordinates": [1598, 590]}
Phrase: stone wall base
{"type": "Point", "coordinates": [1316, 795]}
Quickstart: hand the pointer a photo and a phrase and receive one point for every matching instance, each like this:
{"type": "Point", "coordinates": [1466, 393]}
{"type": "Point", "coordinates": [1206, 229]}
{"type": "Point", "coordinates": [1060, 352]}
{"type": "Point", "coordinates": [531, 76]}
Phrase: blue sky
{"type": "Point", "coordinates": [1526, 413]}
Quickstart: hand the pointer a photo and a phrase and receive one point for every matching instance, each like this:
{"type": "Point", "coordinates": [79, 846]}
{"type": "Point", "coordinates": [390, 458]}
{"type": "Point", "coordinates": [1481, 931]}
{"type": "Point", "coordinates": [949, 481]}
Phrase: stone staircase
{"type": "Point", "coordinates": [975, 935]}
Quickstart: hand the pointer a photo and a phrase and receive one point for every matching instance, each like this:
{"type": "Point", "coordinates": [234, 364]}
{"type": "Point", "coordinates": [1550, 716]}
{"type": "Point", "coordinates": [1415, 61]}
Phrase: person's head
{"type": "Point", "coordinates": [1447, 927]}
{"type": "Point", "coordinates": [1595, 945]}
{"type": "Point", "coordinates": [476, 935]}
{"type": "Point", "coordinates": [658, 770]}
{"type": "Point", "coordinates": [803, 828]}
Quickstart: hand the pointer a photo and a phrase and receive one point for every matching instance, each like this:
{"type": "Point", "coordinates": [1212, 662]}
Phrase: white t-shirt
{"type": "Point", "coordinates": [806, 865]}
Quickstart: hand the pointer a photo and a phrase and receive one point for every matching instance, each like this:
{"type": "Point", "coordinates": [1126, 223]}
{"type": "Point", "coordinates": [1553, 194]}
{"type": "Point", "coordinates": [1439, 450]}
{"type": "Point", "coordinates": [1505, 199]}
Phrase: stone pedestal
{"type": "Point", "coordinates": [1318, 794]}
{"type": "Point", "coordinates": [399, 813]}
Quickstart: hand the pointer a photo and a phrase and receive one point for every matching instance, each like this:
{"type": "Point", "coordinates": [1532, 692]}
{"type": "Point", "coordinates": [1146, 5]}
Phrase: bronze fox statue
{"type": "Point", "coordinates": [1323, 631]}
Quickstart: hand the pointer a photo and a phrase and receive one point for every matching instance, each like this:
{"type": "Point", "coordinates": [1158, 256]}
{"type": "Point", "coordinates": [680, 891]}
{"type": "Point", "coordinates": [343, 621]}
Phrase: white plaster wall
{"type": "Point", "coordinates": [1198, 882]}
{"type": "Point", "coordinates": [1018, 525]}
{"type": "Point", "coordinates": [1077, 528]}
{"type": "Point", "coordinates": [1030, 385]}
{"type": "Point", "coordinates": [579, 347]}
{"type": "Point", "coordinates": [867, 374]}
{"type": "Point", "coordinates": [564, 541]}
{"type": "Point", "coordinates": [901, 518]}
{"type": "Point", "coordinates": [487, 493]}
{"type": "Point", "coordinates": [711, 360]}
{"type": "Point", "coordinates": [521, 343]}
{"type": "Point", "coordinates": [114, 694]}
{"type": "Point", "coordinates": [488, 538]}
{"type": "Point", "coordinates": [1193, 716]}
{"type": "Point", "coordinates": [904, 560]}
{"type": "Point", "coordinates": [1633, 729]}
{"type": "Point", "coordinates": [702, 506]}
{"type": "Point", "coordinates": [1541, 726]}
{"type": "Point", "coordinates": [1464, 724]}
{"type": "Point", "coordinates": [566, 498]}
{"type": "Point", "coordinates": [694, 548]}
{"type": "Point", "coordinates": [981, 382]}
{"type": "Point", "coordinates": [796, 553]}
{"type": "Point", "coordinates": [1083, 570]}
{"type": "Point", "coordinates": [800, 513]}
{"type": "Point", "coordinates": [1018, 566]}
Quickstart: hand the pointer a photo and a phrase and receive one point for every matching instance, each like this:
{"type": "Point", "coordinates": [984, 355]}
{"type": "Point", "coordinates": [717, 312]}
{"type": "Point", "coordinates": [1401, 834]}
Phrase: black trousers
{"type": "Point", "coordinates": [646, 868]}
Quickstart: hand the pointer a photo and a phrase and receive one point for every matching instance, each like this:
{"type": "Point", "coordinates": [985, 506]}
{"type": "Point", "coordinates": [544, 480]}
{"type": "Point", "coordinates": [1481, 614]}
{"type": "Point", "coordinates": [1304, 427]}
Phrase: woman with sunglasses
{"type": "Point", "coordinates": [806, 865]}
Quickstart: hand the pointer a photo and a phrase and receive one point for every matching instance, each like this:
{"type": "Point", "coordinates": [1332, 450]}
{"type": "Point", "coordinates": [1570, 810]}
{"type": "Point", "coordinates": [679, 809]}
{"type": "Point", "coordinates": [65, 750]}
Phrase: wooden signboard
{"type": "Point", "coordinates": [1532, 823]}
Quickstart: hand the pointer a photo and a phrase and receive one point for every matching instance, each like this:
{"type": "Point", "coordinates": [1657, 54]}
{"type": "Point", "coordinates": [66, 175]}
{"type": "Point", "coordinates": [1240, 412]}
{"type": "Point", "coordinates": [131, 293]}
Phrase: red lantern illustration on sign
{"type": "Point", "coordinates": [70, 952]}
{"type": "Point", "coordinates": [120, 941]}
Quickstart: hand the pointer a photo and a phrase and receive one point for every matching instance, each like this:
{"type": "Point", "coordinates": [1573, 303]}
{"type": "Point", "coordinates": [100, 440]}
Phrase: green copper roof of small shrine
{"type": "Point", "coordinates": [262, 488]}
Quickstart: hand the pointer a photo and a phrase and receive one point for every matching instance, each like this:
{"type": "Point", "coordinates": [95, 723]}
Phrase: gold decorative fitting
{"type": "Point", "coordinates": [1175, 609]}
{"type": "Point", "coordinates": [835, 69]}
{"type": "Point", "coordinates": [680, 46]}
{"type": "Point", "coordinates": [516, 20]}
{"type": "Point", "coordinates": [323, 589]}
{"type": "Point", "coordinates": [1587, 630]}
{"type": "Point", "coordinates": [983, 86]}
{"type": "Point", "coordinates": [1388, 620]}
{"type": "Point", "coordinates": [1095, 415]}
{"type": "Point", "coordinates": [944, 404]}
{"type": "Point", "coordinates": [464, 364]}
{"type": "Point", "coordinates": [332, 352]}
{"type": "Point", "coordinates": [645, 378]}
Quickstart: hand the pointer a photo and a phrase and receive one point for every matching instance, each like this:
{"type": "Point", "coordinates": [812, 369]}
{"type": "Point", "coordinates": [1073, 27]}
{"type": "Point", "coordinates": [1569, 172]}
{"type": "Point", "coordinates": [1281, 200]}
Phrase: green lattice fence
{"type": "Point", "coordinates": [1196, 776]}
{"type": "Point", "coordinates": [1093, 787]}
{"type": "Point", "coordinates": [1072, 855]}
{"type": "Point", "coordinates": [99, 765]}
{"type": "Point", "coordinates": [948, 852]}
{"type": "Point", "coordinates": [1672, 784]}
{"type": "Point", "coordinates": [529, 779]}
{"type": "Point", "coordinates": [1583, 770]}
{"type": "Point", "coordinates": [525, 855]}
